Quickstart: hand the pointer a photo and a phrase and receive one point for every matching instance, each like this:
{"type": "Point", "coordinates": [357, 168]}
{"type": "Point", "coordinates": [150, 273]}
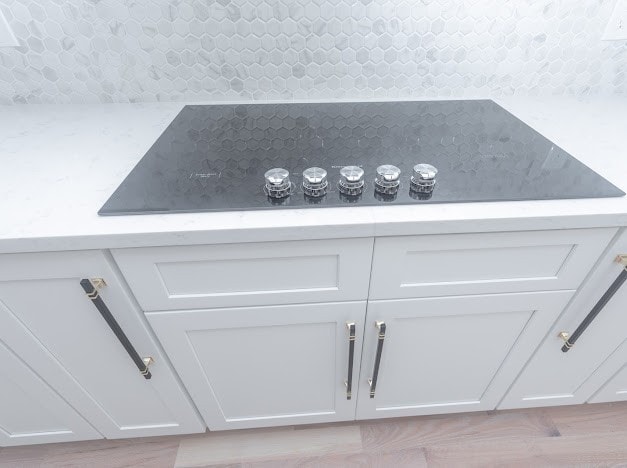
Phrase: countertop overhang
{"type": "Point", "coordinates": [60, 163]}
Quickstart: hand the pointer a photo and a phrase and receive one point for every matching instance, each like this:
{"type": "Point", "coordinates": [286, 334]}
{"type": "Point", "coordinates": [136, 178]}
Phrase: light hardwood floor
{"type": "Point", "coordinates": [585, 435]}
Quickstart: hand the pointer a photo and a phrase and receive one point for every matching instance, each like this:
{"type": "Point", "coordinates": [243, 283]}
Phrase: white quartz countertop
{"type": "Point", "coordinates": [60, 163]}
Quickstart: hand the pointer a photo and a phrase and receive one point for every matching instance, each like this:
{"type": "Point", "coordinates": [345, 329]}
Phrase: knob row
{"type": "Point", "coordinates": [315, 184]}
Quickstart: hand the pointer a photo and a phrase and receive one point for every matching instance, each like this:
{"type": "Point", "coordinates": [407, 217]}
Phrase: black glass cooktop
{"type": "Point", "coordinates": [213, 157]}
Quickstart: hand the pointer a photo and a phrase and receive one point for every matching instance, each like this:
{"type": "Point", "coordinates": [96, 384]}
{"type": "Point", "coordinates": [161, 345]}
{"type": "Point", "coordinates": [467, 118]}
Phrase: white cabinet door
{"type": "Point", "coordinates": [611, 377]}
{"type": "Point", "coordinates": [83, 360]}
{"type": "Point", "coordinates": [487, 263]}
{"type": "Point", "coordinates": [449, 354]}
{"type": "Point", "coordinates": [30, 411]}
{"type": "Point", "coordinates": [245, 275]}
{"type": "Point", "coordinates": [265, 366]}
{"type": "Point", "coordinates": [553, 377]}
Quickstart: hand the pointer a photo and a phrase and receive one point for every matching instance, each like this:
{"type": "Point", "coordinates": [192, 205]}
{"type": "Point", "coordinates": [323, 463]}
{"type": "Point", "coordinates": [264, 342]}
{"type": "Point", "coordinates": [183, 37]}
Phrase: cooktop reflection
{"type": "Point", "coordinates": [252, 157]}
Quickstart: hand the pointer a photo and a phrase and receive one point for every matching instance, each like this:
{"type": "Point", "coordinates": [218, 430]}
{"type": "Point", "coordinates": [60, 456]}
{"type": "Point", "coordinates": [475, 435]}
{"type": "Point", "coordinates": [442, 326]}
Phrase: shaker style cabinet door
{"type": "Point", "coordinates": [80, 354]}
{"type": "Point", "coordinates": [30, 411]}
{"type": "Point", "coordinates": [596, 325]}
{"type": "Point", "coordinates": [267, 366]}
{"type": "Point", "coordinates": [449, 354]}
{"type": "Point", "coordinates": [611, 377]}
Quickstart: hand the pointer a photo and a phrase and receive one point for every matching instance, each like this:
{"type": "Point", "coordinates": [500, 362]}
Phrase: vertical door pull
{"type": "Point", "coordinates": [377, 360]}
{"type": "Point", "coordinates": [570, 340]}
{"type": "Point", "coordinates": [91, 289]}
{"type": "Point", "coordinates": [351, 355]}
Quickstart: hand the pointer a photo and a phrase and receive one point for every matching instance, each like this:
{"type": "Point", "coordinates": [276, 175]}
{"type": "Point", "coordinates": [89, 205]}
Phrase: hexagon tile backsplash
{"type": "Point", "coordinates": [148, 50]}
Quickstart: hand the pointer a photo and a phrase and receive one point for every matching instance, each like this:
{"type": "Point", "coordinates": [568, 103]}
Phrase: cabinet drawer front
{"type": "Point", "coordinates": [189, 277]}
{"type": "Point", "coordinates": [443, 265]}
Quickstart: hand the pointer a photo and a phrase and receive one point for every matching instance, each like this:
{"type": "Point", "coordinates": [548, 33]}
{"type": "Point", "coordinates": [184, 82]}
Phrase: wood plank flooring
{"type": "Point", "coordinates": [584, 435]}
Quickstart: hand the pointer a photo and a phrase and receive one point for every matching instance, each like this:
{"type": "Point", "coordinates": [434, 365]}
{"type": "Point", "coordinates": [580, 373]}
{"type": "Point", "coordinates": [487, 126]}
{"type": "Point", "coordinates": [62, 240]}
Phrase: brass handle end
{"type": "Point", "coordinates": [98, 283]}
{"type": "Point", "coordinates": [148, 361]}
{"type": "Point", "coordinates": [564, 337]}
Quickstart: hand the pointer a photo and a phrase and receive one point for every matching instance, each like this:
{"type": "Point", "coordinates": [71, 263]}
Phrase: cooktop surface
{"type": "Point", "coordinates": [252, 157]}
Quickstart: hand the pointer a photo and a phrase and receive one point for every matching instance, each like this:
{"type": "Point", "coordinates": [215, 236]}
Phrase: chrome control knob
{"type": "Point", "coordinates": [351, 180]}
{"type": "Point", "coordinates": [315, 182]}
{"type": "Point", "coordinates": [423, 178]}
{"type": "Point", "coordinates": [278, 183]}
{"type": "Point", "coordinates": [387, 180]}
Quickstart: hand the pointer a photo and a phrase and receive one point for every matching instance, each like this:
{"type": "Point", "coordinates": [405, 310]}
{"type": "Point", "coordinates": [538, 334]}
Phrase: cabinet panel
{"type": "Point", "coordinates": [449, 354]}
{"type": "Point", "coordinates": [87, 365]}
{"type": "Point", "coordinates": [611, 377]}
{"type": "Point", "coordinates": [553, 377]}
{"type": "Point", "coordinates": [30, 411]}
{"type": "Point", "coordinates": [204, 276]}
{"type": "Point", "coordinates": [439, 265]}
{"type": "Point", "coordinates": [265, 366]}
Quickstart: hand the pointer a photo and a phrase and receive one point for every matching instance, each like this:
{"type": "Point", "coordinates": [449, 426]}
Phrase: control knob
{"type": "Point", "coordinates": [423, 178]}
{"type": "Point", "coordinates": [315, 182]}
{"type": "Point", "coordinates": [387, 180]}
{"type": "Point", "coordinates": [351, 180]}
{"type": "Point", "coordinates": [278, 183]}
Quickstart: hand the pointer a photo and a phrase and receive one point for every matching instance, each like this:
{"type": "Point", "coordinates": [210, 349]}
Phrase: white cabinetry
{"type": "Point", "coordinates": [611, 378]}
{"type": "Point", "coordinates": [266, 366]}
{"type": "Point", "coordinates": [55, 329]}
{"type": "Point", "coordinates": [31, 412]}
{"type": "Point", "coordinates": [267, 334]}
{"type": "Point", "coordinates": [553, 377]}
{"type": "Point", "coordinates": [204, 276]}
{"type": "Point", "coordinates": [500, 262]}
{"type": "Point", "coordinates": [449, 354]}
{"type": "Point", "coordinates": [259, 338]}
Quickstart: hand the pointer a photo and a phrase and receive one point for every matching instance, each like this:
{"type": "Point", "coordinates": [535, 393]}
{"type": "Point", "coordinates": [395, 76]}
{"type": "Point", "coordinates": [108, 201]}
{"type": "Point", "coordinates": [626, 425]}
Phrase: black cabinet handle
{"type": "Point", "coordinates": [377, 360]}
{"type": "Point", "coordinates": [91, 289]}
{"type": "Point", "coordinates": [351, 354]}
{"type": "Point", "coordinates": [569, 341]}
